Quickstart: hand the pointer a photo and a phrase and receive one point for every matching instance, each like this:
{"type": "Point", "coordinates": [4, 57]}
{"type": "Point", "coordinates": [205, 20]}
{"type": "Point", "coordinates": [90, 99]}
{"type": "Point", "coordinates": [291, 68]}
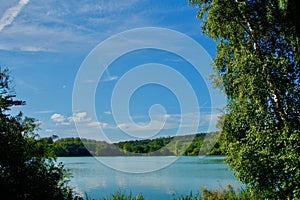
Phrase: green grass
{"type": "Point", "coordinates": [225, 194]}
{"type": "Point", "coordinates": [119, 196]}
{"type": "Point", "coordinates": [122, 196]}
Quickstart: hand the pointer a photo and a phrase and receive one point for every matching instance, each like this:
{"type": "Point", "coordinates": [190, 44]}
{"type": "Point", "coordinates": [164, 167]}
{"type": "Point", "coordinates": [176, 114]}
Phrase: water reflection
{"type": "Point", "coordinates": [183, 176]}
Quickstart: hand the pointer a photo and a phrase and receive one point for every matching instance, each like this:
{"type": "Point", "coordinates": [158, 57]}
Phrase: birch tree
{"type": "Point", "coordinates": [257, 67]}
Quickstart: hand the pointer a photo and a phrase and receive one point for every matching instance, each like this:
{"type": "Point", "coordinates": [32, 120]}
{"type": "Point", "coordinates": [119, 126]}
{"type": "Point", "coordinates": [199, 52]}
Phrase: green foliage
{"type": "Point", "coordinates": [166, 146]}
{"type": "Point", "coordinates": [191, 196]}
{"type": "Point", "coordinates": [226, 193]}
{"type": "Point", "coordinates": [155, 147]}
{"type": "Point", "coordinates": [121, 196]}
{"type": "Point", "coordinates": [70, 147]}
{"type": "Point", "coordinates": [27, 167]}
{"type": "Point", "coordinates": [84, 147]}
{"type": "Point", "coordinates": [258, 67]}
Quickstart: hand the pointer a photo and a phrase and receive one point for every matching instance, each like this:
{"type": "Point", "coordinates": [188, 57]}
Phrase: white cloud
{"type": "Point", "coordinates": [78, 117]}
{"type": "Point", "coordinates": [155, 125]}
{"type": "Point", "coordinates": [58, 118]}
{"type": "Point", "coordinates": [10, 14]}
{"type": "Point", "coordinates": [98, 124]}
{"type": "Point", "coordinates": [107, 112]}
{"type": "Point", "coordinates": [124, 125]}
{"type": "Point", "coordinates": [65, 123]}
{"type": "Point", "coordinates": [56, 27]}
{"type": "Point", "coordinates": [109, 78]}
{"type": "Point", "coordinates": [173, 121]}
{"type": "Point", "coordinates": [166, 116]}
{"type": "Point", "coordinates": [33, 49]}
{"type": "Point", "coordinates": [44, 111]}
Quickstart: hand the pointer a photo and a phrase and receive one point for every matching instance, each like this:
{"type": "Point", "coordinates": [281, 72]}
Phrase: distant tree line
{"type": "Point", "coordinates": [189, 145]}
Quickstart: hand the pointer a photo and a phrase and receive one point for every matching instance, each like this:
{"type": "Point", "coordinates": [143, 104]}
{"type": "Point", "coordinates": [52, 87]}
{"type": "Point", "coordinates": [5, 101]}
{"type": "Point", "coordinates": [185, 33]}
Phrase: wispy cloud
{"type": "Point", "coordinates": [46, 26]}
{"type": "Point", "coordinates": [79, 117]}
{"type": "Point", "coordinates": [44, 111]}
{"type": "Point", "coordinates": [109, 78]}
{"type": "Point", "coordinates": [23, 84]}
{"type": "Point", "coordinates": [98, 124]}
{"type": "Point", "coordinates": [172, 121]}
{"type": "Point", "coordinates": [33, 49]}
{"type": "Point", "coordinates": [58, 118]}
{"type": "Point", "coordinates": [143, 128]}
{"type": "Point", "coordinates": [76, 118]}
{"type": "Point", "coordinates": [10, 14]}
{"type": "Point", "coordinates": [155, 125]}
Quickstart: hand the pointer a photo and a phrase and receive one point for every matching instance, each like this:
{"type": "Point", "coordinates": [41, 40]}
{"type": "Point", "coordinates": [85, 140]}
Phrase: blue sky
{"type": "Point", "coordinates": [44, 44]}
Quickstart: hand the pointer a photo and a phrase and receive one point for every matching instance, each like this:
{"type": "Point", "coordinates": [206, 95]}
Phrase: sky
{"type": "Point", "coordinates": [48, 45]}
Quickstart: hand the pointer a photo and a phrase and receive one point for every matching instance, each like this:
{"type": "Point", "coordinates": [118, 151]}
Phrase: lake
{"type": "Point", "coordinates": [154, 177]}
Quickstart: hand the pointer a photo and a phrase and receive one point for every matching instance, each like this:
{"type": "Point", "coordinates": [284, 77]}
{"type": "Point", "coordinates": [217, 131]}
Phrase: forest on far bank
{"type": "Point", "coordinates": [187, 145]}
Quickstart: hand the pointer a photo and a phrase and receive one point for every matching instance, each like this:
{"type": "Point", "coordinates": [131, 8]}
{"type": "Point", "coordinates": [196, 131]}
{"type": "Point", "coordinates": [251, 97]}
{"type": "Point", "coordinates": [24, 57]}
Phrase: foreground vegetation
{"type": "Point", "coordinates": [257, 66]}
{"type": "Point", "coordinates": [28, 168]}
{"type": "Point", "coordinates": [225, 194]}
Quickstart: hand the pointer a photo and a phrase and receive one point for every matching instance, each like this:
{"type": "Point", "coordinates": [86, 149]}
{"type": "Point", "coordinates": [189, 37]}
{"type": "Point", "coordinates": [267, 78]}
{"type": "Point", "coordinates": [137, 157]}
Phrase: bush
{"type": "Point", "coordinates": [28, 168]}
{"type": "Point", "coordinates": [228, 194]}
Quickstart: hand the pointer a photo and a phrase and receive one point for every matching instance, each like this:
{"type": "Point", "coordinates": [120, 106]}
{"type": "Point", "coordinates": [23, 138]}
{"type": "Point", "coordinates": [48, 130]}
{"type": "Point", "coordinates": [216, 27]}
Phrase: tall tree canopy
{"type": "Point", "coordinates": [27, 167]}
{"type": "Point", "coordinates": [257, 66]}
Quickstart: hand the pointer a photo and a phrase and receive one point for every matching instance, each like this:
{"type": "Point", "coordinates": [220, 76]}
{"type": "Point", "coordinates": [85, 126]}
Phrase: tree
{"type": "Point", "coordinates": [27, 165]}
{"type": "Point", "coordinates": [257, 67]}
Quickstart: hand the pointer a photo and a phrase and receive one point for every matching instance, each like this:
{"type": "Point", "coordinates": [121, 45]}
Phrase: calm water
{"type": "Point", "coordinates": [186, 174]}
